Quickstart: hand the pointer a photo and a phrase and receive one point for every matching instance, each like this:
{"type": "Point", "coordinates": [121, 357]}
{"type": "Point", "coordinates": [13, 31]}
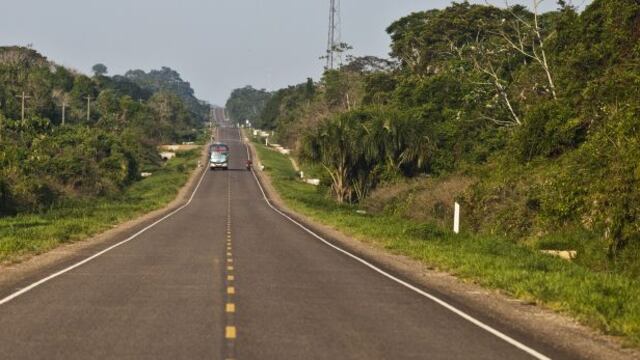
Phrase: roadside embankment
{"type": "Point", "coordinates": [500, 279]}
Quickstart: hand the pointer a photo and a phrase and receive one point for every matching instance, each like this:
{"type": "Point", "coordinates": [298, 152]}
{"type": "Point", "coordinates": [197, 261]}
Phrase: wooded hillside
{"type": "Point", "coordinates": [530, 120]}
{"type": "Point", "coordinates": [82, 136]}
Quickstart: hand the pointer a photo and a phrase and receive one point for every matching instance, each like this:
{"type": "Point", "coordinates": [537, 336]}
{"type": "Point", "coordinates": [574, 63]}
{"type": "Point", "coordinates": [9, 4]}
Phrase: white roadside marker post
{"type": "Point", "coordinates": [456, 218]}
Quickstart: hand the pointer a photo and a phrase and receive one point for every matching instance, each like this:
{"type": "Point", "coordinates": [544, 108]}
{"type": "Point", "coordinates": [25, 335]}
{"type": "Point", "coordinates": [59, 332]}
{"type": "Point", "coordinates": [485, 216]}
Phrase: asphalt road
{"type": "Point", "coordinates": [228, 277]}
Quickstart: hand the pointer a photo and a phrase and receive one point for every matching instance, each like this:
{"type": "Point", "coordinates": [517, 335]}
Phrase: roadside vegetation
{"type": "Point", "coordinates": [531, 121]}
{"type": "Point", "coordinates": [246, 104]}
{"type": "Point", "coordinates": [603, 300]}
{"type": "Point", "coordinates": [76, 219]}
{"type": "Point", "coordinates": [73, 147]}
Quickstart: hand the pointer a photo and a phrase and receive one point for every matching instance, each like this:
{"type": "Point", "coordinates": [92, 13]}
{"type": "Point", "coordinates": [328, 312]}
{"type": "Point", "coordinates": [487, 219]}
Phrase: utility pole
{"type": "Point", "coordinates": [64, 108]}
{"type": "Point", "coordinates": [23, 97]}
{"type": "Point", "coordinates": [88, 97]}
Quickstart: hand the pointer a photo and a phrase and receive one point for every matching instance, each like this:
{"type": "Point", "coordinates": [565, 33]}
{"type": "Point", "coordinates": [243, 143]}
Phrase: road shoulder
{"type": "Point", "coordinates": [545, 326]}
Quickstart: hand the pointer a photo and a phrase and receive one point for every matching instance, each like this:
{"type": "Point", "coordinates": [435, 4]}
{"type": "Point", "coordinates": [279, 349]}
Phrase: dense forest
{"type": "Point", "coordinates": [64, 134]}
{"type": "Point", "coordinates": [246, 104]}
{"type": "Point", "coordinates": [530, 120]}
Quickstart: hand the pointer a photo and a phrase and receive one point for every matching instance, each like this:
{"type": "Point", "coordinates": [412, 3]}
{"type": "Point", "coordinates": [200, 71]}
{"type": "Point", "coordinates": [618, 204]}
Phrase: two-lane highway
{"type": "Point", "coordinates": [229, 277]}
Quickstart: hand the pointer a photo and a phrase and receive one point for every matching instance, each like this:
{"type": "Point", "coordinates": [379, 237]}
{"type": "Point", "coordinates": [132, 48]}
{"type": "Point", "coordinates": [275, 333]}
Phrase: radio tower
{"type": "Point", "coordinates": [334, 54]}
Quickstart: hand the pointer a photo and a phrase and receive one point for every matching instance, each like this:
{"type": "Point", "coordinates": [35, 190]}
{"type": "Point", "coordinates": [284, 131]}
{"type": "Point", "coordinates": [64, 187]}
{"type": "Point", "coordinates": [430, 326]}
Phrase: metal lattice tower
{"type": "Point", "coordinates": [334, 55]}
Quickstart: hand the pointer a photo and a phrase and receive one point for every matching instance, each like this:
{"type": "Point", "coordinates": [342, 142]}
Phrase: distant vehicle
{"type": "Point", "coordinates": [219, 156]}
{"type": "Point", "coordinates": [219, 160]}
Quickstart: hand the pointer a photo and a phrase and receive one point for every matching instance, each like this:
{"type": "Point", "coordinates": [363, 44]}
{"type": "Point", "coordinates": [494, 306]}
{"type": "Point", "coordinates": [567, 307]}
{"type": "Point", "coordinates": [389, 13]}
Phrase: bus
{"type": "Point", "coordinates": [219, 156]}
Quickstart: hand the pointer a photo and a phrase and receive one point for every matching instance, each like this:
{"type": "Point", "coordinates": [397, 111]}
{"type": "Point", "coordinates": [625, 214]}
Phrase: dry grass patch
{"type": "Point", "coordinates": [426, 199]}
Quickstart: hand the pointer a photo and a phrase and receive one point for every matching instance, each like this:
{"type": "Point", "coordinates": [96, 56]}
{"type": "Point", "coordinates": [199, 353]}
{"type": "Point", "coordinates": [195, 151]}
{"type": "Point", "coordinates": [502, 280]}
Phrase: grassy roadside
{"type": "Point", "coordinates": [74, 220]}
{"type": "Point", "coordinates": [605, 301]}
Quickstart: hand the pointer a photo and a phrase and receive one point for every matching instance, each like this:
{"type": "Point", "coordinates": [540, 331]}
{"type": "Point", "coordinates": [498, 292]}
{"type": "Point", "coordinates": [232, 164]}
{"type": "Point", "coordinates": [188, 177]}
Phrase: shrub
{"type": "Point", "coordinates": [548, 130]}
{"type": "Point", "coordinates": [599, 186]}
{"type": "Point", "coordinates": [7, 204]}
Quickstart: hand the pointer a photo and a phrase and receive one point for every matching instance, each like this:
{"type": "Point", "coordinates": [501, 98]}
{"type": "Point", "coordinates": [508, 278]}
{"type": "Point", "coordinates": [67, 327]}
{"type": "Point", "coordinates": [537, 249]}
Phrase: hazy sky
{"type": "Point", "coordinates": [217, 45]}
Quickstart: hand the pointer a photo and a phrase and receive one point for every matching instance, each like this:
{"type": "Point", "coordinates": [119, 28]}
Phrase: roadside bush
{"type": "Point", "coordinates": [361, 148]}
{"type": "Point", "coordinates": [425, 200]}
{"type": "Point", "coordinates": [7, 205]}
{"type": "Point", "coordinates": [548, 130]}
{"type": "Point", "coordinates": [599, 185]}
{"type": "Point", "coordinates": [70, 161]}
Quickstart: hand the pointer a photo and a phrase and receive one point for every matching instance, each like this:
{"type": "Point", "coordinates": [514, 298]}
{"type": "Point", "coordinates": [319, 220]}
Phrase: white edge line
{"type": "Point", "coordinates": [431, 297]}
{"type": "Point", "coordinates": [78, 264]}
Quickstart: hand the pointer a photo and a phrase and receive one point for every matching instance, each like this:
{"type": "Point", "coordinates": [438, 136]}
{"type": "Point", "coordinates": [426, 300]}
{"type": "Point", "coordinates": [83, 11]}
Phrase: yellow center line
{"type": "Point", "coordinates": [230, 308]}
{"type": "Point", "coordinates": [230, 332]}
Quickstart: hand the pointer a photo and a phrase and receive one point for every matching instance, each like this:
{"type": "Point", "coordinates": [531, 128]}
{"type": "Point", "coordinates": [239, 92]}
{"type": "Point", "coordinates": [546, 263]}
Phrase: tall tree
{"type": "Point", "coordinates": [99, 69]}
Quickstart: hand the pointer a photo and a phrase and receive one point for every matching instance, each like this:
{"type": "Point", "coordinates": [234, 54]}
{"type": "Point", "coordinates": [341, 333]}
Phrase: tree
{"type": "Point", "coordinates": [42, 163]}
{"type": "Point", "coordinates": [167, 79]}
{"type": "Point", "coordinates": [99, 70]}
{"type": "Point", "coordinates": [337, 146]}
{"type": "Point", "coordinates": [524, 33]}
{"type": "Point", "coordinates": [247, 103]}
{"type": "Point", "coordinates": [491, 62]}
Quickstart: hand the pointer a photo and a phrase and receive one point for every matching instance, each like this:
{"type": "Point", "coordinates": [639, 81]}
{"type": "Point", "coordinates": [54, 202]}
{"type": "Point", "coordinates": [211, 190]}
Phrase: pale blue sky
{"type": "Point", "coordinates": [217, 45]}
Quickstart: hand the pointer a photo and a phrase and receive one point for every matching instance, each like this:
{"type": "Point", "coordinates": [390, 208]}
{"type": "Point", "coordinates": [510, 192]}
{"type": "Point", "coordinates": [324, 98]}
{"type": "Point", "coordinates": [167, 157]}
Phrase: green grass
{"type": "Point", "coordinates": [602, 300]}
{"type": "Point", "coordinates": [74, 220]}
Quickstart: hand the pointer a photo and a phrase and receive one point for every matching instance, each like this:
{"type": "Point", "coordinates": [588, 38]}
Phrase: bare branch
{"type": "Point", "coordinates": [537, 52]}
{"type": "Point", "coordinates": [498, 122]}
